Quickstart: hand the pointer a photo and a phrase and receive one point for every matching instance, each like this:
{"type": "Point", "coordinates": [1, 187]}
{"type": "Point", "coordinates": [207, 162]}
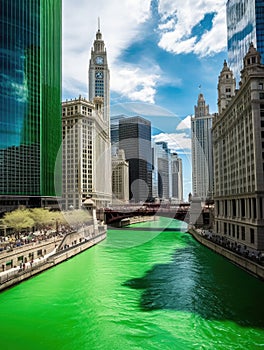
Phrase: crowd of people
{"type": "Point", "coordinates": [242, 250]}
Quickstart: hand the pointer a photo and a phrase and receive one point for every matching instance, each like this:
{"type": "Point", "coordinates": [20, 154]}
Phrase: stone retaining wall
{"type": "Point", "coordinates": [14, 257]}
{"type": "Point", "coordinates": [10, 279]}
{"type": "Point", "coordinates": [250, 266]}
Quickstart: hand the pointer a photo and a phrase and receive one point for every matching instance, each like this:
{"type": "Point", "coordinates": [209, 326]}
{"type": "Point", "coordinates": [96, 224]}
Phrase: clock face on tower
{"type": "Point", "coordinates": [99, 75]}
{"type": "Point", "coordinates": [99, 60]}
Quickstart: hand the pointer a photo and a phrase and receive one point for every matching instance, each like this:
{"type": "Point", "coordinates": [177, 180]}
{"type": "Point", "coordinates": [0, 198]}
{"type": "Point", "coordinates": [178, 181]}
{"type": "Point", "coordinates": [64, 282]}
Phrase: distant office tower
{"type": "Point", "coordinates": [202, 158]}
{"type": "Point", "coordinates": [99, 76]}
{"type": "Point", "coordinates": [245, 23]}
{"type": "Point", "coordinates": [161, 170]}
{"type": "Point", "coordinates": [114, 130]}
{"type": "Point", "coordinates": [155, 173]}
{"type": "Point", "coordinates": [226, 87]}
{"type": "Point", "coordinates": [85, 168]}
{"type": "Point", "coordinates": [167, 183]}
{"type": "Point", "coordinates": [120, 178]}
{"type": "Point", "coordinates": [30, 103]}
{"type": "Point", "coordinates": [176, 179]}
{"type": "Point", "coordinates": [238, 134]}
{"type": "Point", "coordinates": [135, 140]}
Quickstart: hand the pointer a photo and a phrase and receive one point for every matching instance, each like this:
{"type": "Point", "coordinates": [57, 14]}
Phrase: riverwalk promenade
{"type": "Point", "coordinates": [250, 261]}
{"type": "Point", "coordinates": [64, 248]}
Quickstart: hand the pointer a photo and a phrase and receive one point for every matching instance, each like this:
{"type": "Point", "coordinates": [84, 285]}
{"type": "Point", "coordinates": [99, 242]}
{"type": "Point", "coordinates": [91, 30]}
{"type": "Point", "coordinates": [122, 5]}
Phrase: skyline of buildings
{"type": "Point", "coordinates": [167, 181]}
{"type": "Point", "coordinates": [98, 77]}
{"type": "Point", "coordinates": [30, 99]}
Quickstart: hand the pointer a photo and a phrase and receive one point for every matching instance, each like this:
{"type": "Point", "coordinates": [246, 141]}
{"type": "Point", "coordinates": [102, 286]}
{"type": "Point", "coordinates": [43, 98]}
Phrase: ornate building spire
{"type": "Point", "coordinates": [226, 87]}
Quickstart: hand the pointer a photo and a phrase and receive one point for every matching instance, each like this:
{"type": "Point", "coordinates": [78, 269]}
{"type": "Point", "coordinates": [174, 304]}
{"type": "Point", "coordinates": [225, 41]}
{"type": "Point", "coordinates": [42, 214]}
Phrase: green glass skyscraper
{"type": "Point", "coordinates": [30, 102]}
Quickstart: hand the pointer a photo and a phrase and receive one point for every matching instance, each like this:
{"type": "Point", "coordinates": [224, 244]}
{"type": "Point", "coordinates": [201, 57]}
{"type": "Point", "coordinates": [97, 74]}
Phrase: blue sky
{"type": "Point", "coordinates": [161, 55]}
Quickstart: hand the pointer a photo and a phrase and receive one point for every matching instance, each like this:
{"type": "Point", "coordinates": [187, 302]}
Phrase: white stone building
{"type": "Point", "coordinates": [120, 178]}
{"type": "Point", "coordinates": [176, 179]}
{"type": "Point", "coordinates": [85, 160]}
{"type": "Point", "coordinates": [202, 158]}
{"type": "Point", "coordinates": [238, 134]}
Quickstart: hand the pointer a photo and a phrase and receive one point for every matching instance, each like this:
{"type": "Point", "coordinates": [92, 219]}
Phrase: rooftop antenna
{"type": "Point", "coordinates": [98, 24]}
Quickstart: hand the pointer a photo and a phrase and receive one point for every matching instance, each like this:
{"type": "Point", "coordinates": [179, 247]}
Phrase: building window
{"type": "Point", "coordinates": [252, 236]}
{"type": "Point", "coordinates": [243, 209]}
{"type": "Point", "coordinates": [234, 207]}
{"type": "Point", "coordinates": [243, 235]}
{"type": "Point", "coordinates": [254, 205]}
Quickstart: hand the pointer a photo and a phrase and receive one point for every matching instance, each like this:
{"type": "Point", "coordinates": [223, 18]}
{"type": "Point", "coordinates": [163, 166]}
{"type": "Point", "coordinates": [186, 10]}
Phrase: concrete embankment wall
{"type": "Point", "coordinates": [10, 279]}
{"type": "Point", "coordinates": [250, 266]}
{"type": "Point", "coordinates": [27, 251]}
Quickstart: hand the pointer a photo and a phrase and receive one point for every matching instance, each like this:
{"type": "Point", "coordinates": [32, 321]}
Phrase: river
{"type": "Point", "coordinates": [150, 287]}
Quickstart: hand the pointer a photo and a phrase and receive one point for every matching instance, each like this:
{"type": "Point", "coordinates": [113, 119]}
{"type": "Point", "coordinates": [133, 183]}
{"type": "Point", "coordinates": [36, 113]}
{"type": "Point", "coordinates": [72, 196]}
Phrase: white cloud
{"type": "Point", "coordinates": [177, 142]}
{"type": "Point", "coordinates": [213, 41]}
{"type": "Point", "coordinates": [142, 109]}
{"type": "Point", "coordinates": [180, 17]}
{"type": "Point", "coordinates": [120, 25]}
{"type": "Point", "coordinates": [185, 124]}
{"type": "Point", "coordinates": [135, 83]}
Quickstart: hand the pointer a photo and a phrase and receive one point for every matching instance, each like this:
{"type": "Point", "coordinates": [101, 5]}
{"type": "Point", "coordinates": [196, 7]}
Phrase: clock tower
{"type": "Point", "coordinates": [99, 75]}
{"type": "Point", "coordinates": [99, 95]}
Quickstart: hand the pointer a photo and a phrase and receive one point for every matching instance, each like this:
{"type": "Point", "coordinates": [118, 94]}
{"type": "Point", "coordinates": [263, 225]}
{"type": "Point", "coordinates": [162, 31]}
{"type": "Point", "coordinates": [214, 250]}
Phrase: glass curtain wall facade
{"type": "Point", "coordinates": [135, 140]}
{"type": "Point", "coordinates": [245, 24]}
{"type": "Point", "coordinates": [30, 101]}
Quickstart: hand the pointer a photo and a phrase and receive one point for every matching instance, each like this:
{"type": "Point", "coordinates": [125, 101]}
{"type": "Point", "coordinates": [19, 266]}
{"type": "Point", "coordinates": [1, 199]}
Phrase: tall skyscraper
{"type": "Point", "coordinates": [161, 170]}
{"type": "Point", "coordinates": [30, 103]}
{"type": "Point", "coordinates": [238, 134]}
{"type": "Point", "coordinates": [176, 179]}
{"type": "Point", "coordinates": [245, 23]}
{"type": "Point", "coordinates": [135, 140]}
{"type": "Point", "coordinates": [99, 76]}
{"type": "Point", "coordinates": [202, 157]}
{"type": "Point", "coordinates": [99, 86]}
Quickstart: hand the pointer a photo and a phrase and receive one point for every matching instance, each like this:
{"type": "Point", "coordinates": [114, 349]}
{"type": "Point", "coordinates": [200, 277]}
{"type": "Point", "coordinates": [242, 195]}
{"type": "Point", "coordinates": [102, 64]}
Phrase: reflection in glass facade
{"type": "Point", "coordinates": [245, 24]}
{"type": "Point", "coordinates": [30, 95]}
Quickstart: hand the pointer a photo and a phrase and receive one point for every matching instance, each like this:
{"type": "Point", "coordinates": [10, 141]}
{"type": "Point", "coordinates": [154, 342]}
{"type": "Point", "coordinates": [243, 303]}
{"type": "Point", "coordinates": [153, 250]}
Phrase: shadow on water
{"type": "Point", "coordinates": [202, 282]}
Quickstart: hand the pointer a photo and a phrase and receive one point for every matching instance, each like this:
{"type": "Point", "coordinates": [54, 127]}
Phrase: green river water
{"type": "Point", "coordinates": [146, 288]}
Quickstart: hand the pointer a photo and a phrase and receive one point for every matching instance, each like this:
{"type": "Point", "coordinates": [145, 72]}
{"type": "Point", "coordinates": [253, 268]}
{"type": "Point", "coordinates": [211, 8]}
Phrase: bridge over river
{"type": "Point", "coordinates": [182, 212]}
